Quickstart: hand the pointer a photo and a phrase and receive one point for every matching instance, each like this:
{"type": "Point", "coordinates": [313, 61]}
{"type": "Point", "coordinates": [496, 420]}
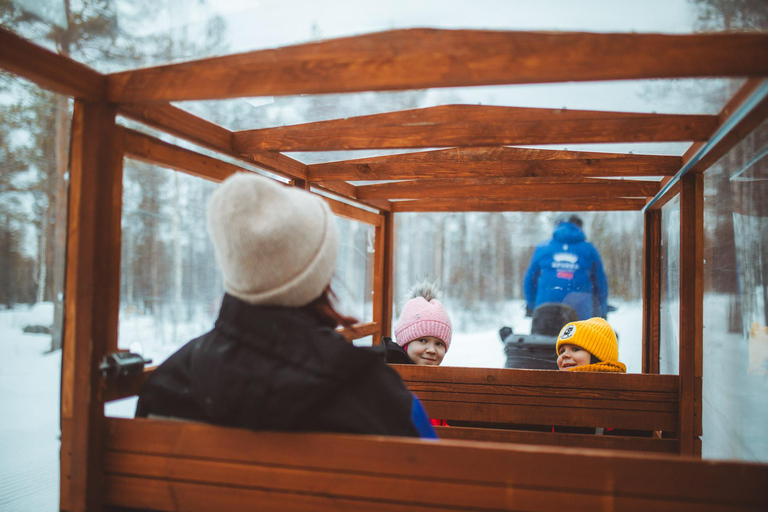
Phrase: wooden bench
{"type": "Point", "coordinates": [508, 399]}
{"type": "Point", "coordinates": [179, 466]}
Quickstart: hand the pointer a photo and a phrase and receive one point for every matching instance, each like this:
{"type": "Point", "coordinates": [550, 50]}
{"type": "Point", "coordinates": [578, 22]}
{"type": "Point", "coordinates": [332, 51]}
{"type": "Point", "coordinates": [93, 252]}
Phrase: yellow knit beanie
{"type": "Point", "coordinates": [593, 335]}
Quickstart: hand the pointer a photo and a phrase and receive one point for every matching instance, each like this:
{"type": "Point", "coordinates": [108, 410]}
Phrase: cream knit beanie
{"type": "Point", "coordinates": [276, 245]}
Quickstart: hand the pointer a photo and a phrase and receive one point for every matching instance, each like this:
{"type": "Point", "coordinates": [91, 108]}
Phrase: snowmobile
{"type": "Point", "coordinates": [536, 351]}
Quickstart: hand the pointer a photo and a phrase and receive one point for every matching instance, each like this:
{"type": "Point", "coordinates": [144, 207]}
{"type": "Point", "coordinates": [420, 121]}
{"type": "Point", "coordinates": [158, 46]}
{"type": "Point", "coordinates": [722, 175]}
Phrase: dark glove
{"type": "Point", "coordinates": [528, 311]}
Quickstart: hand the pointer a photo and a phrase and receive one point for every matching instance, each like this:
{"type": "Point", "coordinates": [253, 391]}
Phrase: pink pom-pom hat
{"type": "Point", "coordinates": [423, 316]}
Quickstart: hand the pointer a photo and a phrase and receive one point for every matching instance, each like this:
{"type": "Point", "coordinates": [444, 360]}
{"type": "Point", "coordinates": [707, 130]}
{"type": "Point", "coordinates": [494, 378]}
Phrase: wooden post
{"type": "Point", "coordinates": [382, 277]}
{"type": "Point", "coordinates": [691, 310]}
{"type": "Point", "coordinates": [651, 289]}
{"type": "Point", "coordinates": [92, 298]}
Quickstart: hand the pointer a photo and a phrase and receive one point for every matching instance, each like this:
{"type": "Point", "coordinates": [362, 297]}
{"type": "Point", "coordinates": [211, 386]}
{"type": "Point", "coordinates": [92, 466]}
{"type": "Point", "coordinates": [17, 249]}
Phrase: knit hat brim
{"type": "Point", "coordinates": [594, 335]}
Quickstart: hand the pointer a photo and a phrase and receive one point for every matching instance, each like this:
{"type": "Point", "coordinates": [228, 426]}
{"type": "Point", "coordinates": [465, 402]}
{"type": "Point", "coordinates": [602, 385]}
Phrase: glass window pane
{"type": "Point", "coordinates": [34, 142]}
{"type": "Point", "coordinates": [669, 328]}
{"type": "Point", "coordinates": [170, 286]}
{"type": "Point", "coordinates": [353, 281]}
{"type": "Point", "coordinates": [479, 260]}
{"type": "Point", "coordinates": [735, 381]}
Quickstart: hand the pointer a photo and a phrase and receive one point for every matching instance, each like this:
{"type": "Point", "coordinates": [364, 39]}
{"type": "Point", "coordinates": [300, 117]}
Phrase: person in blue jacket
{"type": "Point", "coordinates": [567, 270]}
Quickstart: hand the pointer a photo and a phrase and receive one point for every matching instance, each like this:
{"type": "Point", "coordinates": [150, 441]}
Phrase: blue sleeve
{"type": "Point", "coordinates": [600, 282]}
{"type": "Point", "coordinates": [531, 279]}
{"type": "Point", "coordinates": [420, 420]}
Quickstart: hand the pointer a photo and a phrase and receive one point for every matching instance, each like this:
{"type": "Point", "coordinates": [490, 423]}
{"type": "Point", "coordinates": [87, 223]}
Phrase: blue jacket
{"type": "Point", "coordinates": [568, 270]}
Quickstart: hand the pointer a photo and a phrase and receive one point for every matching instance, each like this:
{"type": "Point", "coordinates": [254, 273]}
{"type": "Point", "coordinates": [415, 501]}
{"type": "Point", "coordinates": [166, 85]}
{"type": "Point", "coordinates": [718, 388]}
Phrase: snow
{"type": "Point", "coordinates": [29, 413]}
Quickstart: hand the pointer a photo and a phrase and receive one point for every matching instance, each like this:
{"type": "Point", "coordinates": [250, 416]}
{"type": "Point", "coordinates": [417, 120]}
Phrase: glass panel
{"type": "Point", "coordinates": [669, 328]}
{"type": "Point", "coordinates": [353, 282]}
{"type": "Point", "coordinates": [34, 142]}
{"type": "Point", "coordinates": [735, 381]}
{"type": "Point", "coordinates": [170, 287]}
{"type": "Point", "coordinates": [479, 260]}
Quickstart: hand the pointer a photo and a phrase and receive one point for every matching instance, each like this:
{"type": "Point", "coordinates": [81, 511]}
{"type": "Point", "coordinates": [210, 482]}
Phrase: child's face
{"type": "Point", "coordinates": [571, 355]}
{"type": "Point", "coordinates": [426, 351]}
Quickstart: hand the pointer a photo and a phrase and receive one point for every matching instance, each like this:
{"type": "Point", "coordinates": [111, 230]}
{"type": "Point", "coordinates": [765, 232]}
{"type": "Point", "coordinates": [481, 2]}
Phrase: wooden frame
{"type": "Point", "coordinates": [477, 175]}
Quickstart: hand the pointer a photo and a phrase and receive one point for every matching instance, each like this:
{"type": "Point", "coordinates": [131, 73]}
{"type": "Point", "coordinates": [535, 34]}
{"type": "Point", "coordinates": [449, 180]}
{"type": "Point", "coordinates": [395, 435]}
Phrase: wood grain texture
{"type": "Point", "coordinates": [91, 293]}
{"type": "Point", "coordinates": [518, 205]}
{"type": "Point", "coordinates": [187, 126]}
{"type": "Point", "coordinates": [691, 309]}
{"type": "Point", "coordinates": [49, 70]}
{"type": "Point", "coordinates": [354, 213]}
{"type": "Point", "coordinates": [533, 189]}
{"type": "Point", "coordinates": [640, 444]}
{"type": "Point", "coordinates": [419, 58]}
{"type": "Point", "coordinates": [360, 330]}
{"type": "Point", "coordinates": [188, 466]}
{"type": "Point", "coordinates": [475, 125]}
{"type": "Point", "coordinates": [489, 162]}
{"type": "Point", "coordinates": [529, 397]}
{"type": "Point", "coordinates": [155, 151]}
{"type": "Point", "coordinates": [651, 290]}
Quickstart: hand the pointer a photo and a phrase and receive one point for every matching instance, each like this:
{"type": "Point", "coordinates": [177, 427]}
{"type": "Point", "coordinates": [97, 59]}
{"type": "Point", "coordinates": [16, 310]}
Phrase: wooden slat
{"type": "Point", "coordinates": [691, 309]}
{"type": "Point", "coordinates": [518, 205]}
{"type": "Point", "coordinates": [360, 331]}
{"type": "Point", "coordinates": [651, 290]}
{"type": "Point", "coordinates": [434, 189]}
{"type": "Point", "coordinates": [495, 162]}
{"type": "Point", "coordinates": [49, 70]}
{"type": "Point", "coordinates": [383, 260]}
{"type": "Point", "coordinates": [667, 197]}
{"type": "Point", "coordinates": [647, 445]}
{"type": "Point", "coordinates": [154, 464]}
{"type": "Point", "coordinates": [475, 125]}
{"type": "Point", "coordinates": [533, 397]}
{"type": "Point", "coordinates": [92, 293]}
{"type": "Point", "coordinates": [351, 212]}
{"type": "Point", "coordinates": [155, 151]}
{"type": "Point", "coordinates": [539, 378]}
{"type": "Point", "coordinates": [187, 126]}
{"type": "Point", "coordinates": [421, 58]}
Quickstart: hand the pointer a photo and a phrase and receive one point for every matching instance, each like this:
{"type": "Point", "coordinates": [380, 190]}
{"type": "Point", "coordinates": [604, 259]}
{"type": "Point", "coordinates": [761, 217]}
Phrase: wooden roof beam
{"type": "Point", "coordinates": [518, 162]}
{"type": "Point", "coordinates": [518, 205]}
{"type": "Point", "coordinates": [476, 125]}
{"type": "Point", "coordinates": [421, 58]}
{"type": "Point", "coordinates": [50, 70]}
{"type": "Point", "coordinates": [531, 189]}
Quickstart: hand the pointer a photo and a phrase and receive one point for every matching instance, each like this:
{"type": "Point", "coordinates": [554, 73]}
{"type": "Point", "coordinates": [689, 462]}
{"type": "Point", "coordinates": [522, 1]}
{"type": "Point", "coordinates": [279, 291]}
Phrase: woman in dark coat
{"type": "Point", "coordinates": [273, 360]}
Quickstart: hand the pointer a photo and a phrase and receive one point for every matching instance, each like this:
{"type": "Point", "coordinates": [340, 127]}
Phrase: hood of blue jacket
{"type": "Point", "coordinates": [568, 233]}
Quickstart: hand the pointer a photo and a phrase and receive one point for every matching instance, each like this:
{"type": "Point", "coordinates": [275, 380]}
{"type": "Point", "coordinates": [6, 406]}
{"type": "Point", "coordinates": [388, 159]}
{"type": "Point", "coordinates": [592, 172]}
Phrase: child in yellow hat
{"type": "Point", "coordinates": [588, 346]}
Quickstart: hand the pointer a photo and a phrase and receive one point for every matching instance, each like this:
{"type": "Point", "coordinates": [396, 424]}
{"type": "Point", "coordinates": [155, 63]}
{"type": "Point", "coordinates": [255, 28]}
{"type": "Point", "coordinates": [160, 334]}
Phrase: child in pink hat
{"type": "Point", "coordinates": [423, 332]}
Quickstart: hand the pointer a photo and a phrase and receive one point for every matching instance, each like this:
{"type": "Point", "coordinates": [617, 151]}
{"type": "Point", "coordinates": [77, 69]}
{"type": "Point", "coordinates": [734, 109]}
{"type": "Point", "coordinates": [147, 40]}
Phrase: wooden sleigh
{"type": "Point", "coordinates": [167, 465]}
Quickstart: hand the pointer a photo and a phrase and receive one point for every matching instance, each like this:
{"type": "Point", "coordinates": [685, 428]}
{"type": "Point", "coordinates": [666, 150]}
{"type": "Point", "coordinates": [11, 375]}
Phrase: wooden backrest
{"type": "Point", "coordinates": [167, 465]}
{"type": "Point", "coordinates": [504, 397]}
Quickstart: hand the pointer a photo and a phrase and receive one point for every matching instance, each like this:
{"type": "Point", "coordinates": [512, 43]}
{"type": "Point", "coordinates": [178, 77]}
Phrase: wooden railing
{"type": "Point", "coordinates": [179, 466]}
{"type": "Point", "coordinates": [511, 401]}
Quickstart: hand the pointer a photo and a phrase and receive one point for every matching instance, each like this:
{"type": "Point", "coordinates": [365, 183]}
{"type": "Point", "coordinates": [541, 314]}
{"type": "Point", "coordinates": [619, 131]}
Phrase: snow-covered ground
{"type": "Point", "coordinates": [29, 413]}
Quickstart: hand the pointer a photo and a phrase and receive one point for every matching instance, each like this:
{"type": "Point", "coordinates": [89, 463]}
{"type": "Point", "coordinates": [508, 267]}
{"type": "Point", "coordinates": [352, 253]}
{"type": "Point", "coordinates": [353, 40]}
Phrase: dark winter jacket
{"type": "Point", "coordinates": [395, 353]}
{"type": "Point", "coordinates": [567, 270]}
{"type": "Point", "coordinates": [280, 368]}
